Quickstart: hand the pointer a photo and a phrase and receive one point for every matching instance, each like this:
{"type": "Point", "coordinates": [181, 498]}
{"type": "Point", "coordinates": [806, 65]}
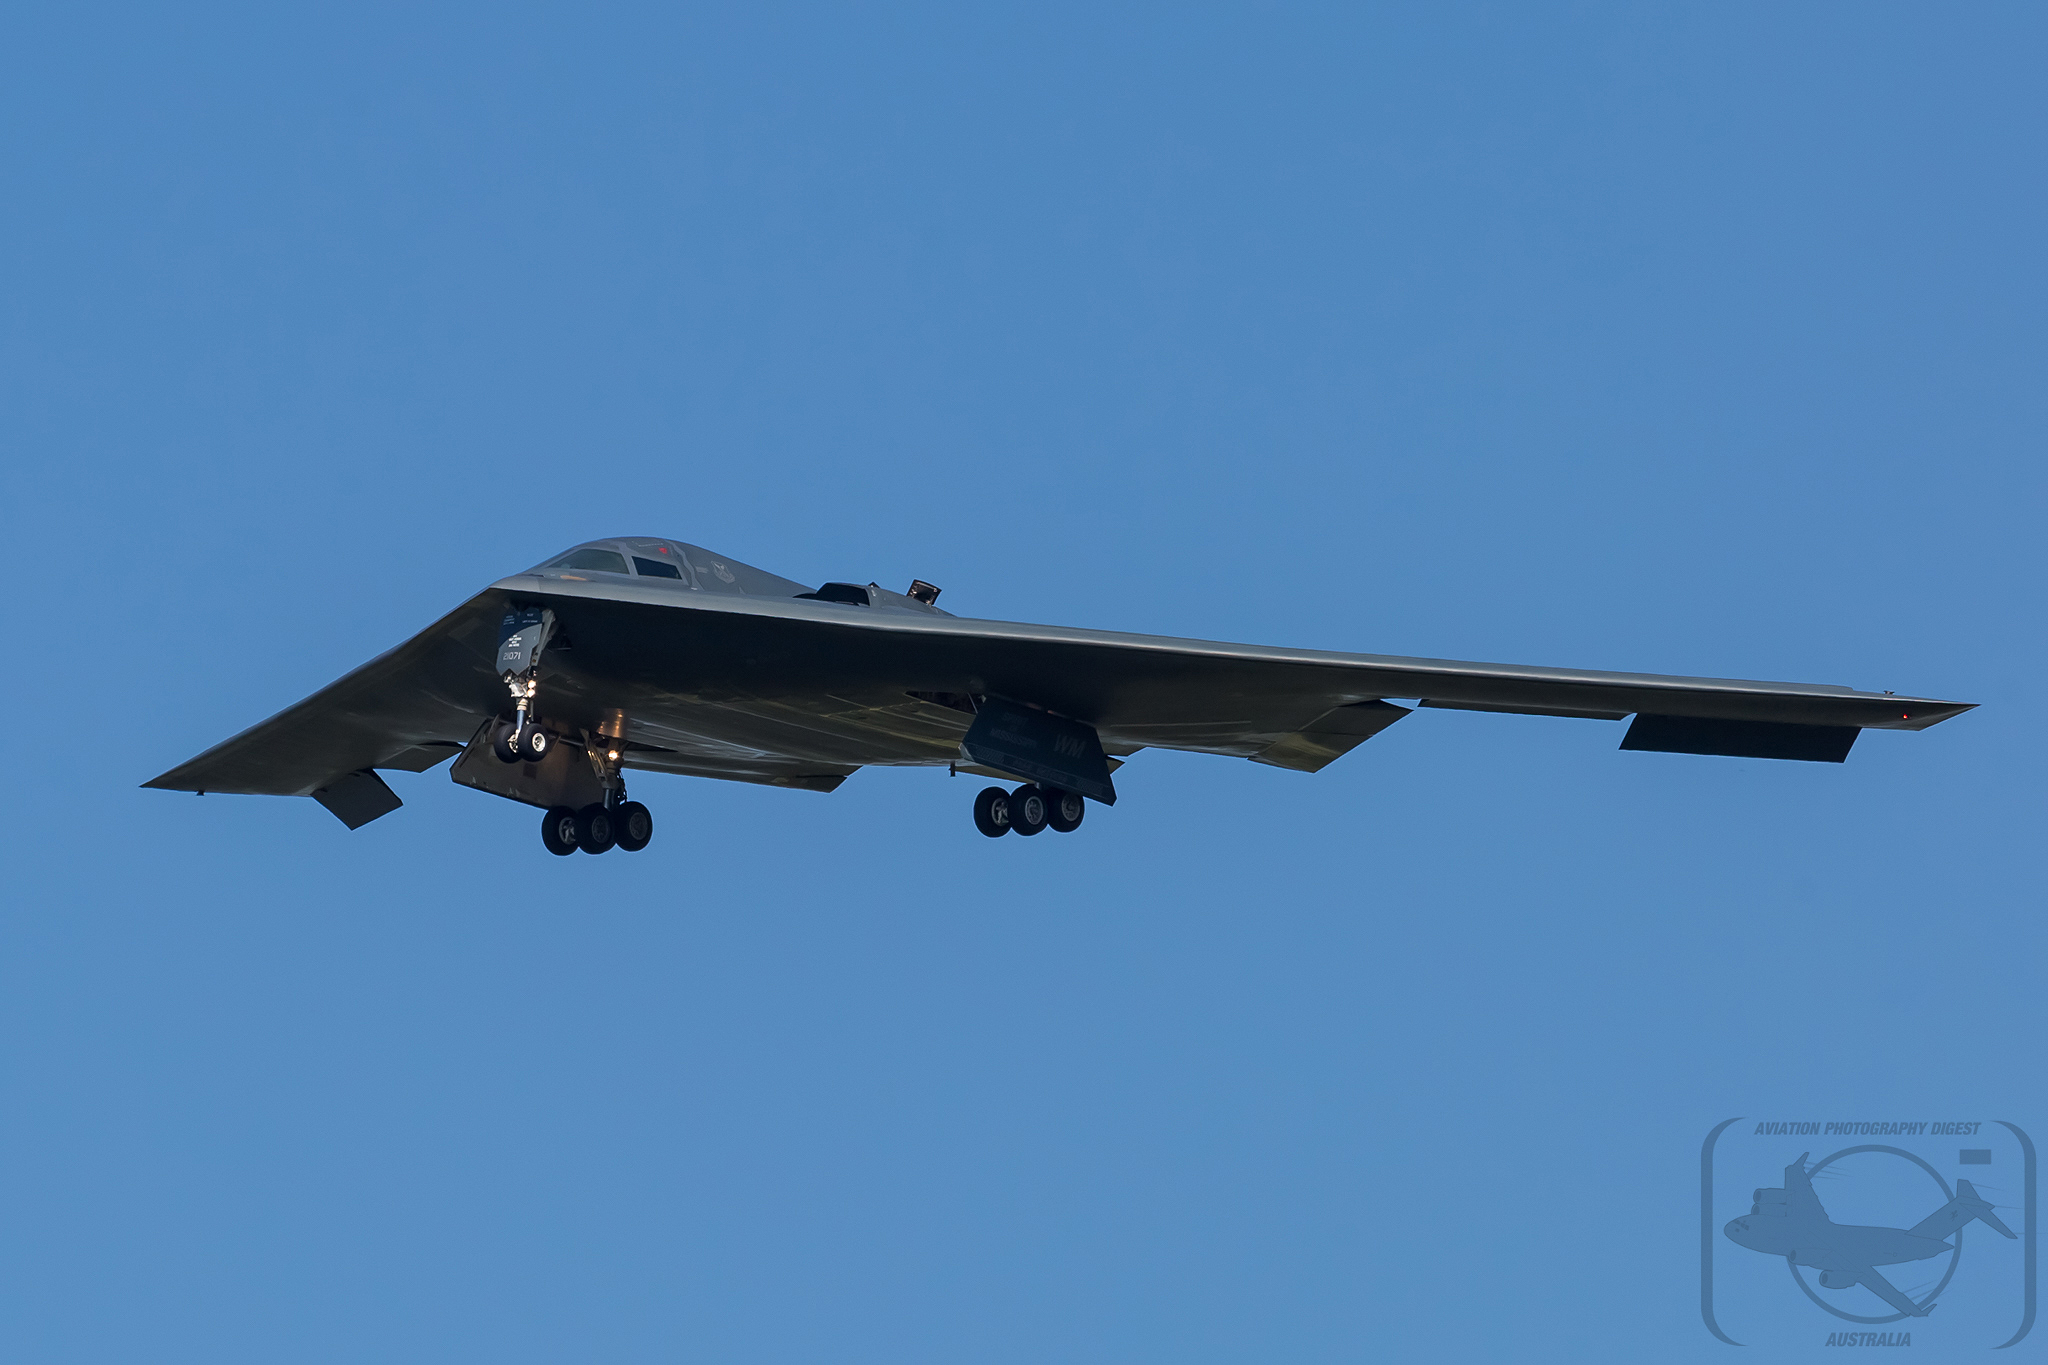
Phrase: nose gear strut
{"type": "Point", "coordinates": [522, 635]}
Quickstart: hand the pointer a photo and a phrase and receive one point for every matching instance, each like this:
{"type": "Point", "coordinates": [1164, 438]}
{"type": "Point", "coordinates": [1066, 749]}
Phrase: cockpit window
{"type": "Point", "coordinates": [852, 594]}
{"type": "Point", "coordinates": [654, 568]}
{"type": "Point", "coordinates": [599, 561]}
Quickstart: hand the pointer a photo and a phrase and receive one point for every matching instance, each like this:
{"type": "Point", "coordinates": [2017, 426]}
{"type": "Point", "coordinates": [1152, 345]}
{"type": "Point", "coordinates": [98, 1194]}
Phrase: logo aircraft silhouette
{"type": "Point", "coordinates": [1790, 1222]}
{"type": "Point", "coordinates": [660, 656]}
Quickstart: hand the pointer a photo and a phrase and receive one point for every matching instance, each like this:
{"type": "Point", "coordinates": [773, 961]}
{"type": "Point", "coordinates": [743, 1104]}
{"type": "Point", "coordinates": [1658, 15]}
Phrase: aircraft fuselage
{"type": "Point", "coordinates": [1828, 1245]}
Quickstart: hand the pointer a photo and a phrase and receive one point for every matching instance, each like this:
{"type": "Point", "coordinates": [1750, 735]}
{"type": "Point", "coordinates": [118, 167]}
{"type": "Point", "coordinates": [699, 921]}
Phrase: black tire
{"type": "Point", "coordinates": [992, 812]}
{"type": "Point", "coordinates": [533, 744]}
{"type": "Point", "coordinates": [597, 829]}
{"type": "Point", "coordinates": [1028, 809]}
{"type": "Point", "coordinates": [501, 742]}
{"type": "Point", "coordinates": [558, 831]}
{"type": "Point", "coordinates": [634, 824]}
{"type": "Point", "coordinates": [1063, 811]}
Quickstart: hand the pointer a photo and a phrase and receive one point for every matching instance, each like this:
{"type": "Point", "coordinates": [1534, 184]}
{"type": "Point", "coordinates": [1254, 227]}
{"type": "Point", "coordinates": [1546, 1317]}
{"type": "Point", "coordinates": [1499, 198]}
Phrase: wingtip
{"type": "Point", "coordinates": [1919, 714]}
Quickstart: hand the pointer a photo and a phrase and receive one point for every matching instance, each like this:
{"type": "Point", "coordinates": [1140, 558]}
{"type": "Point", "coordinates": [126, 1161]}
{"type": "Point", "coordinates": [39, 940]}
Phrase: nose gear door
{"type": "Point", "coordinates": [521, 636]}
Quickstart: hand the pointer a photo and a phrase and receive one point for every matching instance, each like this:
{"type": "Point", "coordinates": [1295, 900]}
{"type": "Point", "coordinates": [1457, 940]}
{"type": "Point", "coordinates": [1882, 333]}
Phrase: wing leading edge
{"type": "Point", "coordinates": [409, 708]}
{"type": "Point", "coordinates": [1143, 690]}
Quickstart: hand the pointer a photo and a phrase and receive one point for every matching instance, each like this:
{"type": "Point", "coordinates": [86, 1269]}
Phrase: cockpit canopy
{"type": "Point", "coordinates": [641, 558]}
{"type": "Point", "coordinates": [688, 566]}
{"type": "Point", "coordinates": [697, 569]}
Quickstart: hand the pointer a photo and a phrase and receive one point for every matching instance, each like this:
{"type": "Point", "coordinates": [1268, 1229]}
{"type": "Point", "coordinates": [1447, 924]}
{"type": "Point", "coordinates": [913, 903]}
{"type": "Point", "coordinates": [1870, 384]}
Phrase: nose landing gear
{"type": "Point", "coordinates": [521, 638]}
{"type": "Point", "coordinates": [517, 741]}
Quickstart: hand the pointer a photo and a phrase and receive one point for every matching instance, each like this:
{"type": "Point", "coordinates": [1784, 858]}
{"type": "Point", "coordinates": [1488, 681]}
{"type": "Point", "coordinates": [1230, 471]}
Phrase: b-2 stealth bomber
{"type": "Point", "coordinates": [659, 656]}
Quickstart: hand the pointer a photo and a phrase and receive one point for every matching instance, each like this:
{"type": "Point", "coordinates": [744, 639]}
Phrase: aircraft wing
{"type": "Point", "coordinates": [801, 692]}
{"type": "Point", "coordinates": [1292, 707]}
{"type": "Point", "coordinates": [1877, 1284]}
{"type": "Point", "coordinates": [408, 708]}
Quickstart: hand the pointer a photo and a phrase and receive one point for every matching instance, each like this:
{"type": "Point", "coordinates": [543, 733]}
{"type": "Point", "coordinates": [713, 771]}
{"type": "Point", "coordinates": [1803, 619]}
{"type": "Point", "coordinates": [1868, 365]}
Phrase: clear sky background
{"type": "Point", "coordinates": [1702, 339]}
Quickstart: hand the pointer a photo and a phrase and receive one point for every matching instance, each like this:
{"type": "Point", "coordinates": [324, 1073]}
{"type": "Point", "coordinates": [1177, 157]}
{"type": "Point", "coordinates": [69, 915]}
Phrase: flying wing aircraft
{"type": "Point", "coordinates": [660, 656]}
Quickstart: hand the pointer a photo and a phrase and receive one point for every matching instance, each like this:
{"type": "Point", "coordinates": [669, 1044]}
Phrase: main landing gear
{"type": "Point", "coordinates": [597, 828]}
{"type": "Point", "coordinates": [613, 822]}
{"type": "Point", "coordinates": [1027, 810]}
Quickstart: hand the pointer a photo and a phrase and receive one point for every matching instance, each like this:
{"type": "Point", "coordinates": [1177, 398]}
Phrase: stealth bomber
{"type": "Point", "coordinates": [650, 655]}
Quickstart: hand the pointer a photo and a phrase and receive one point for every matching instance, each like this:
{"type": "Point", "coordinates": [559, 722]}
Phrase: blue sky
{"type": "Point", "coordinates": [1702, 339]}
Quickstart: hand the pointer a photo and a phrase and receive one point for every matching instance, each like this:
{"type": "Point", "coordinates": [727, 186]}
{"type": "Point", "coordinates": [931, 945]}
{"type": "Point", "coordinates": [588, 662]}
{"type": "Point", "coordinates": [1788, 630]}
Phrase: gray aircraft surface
{"type": "Point", "coordinates": [1790, 1222]}
{"type": "Point", "coordinates": [660, 656]}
